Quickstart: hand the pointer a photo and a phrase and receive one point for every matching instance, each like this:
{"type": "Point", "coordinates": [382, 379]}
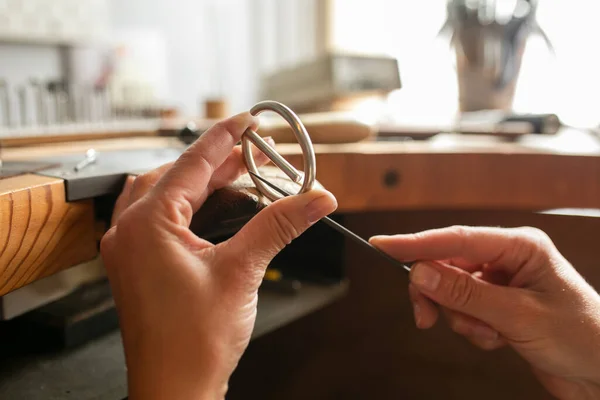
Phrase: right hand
{"type": "Point", "coordinates": [508, 286]}
{"type": "Point", "coordinates": [187, 307]}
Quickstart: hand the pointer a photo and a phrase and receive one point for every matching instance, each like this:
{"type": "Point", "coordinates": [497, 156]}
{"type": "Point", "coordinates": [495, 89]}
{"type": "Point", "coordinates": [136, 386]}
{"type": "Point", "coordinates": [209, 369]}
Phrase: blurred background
{"type": "Point", "coordinates": [101, 59]}
{"type": "Point", "coordinates": [496, 99]}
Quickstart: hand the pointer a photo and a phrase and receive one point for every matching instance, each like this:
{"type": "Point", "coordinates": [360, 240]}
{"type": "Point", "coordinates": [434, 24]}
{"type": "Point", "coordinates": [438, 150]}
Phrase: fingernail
{"type": "Point", "coordinates": [417, 311]}
{"type": "Point", "coordinates": [320, 207]}
{"type": "Point", "coordinates": [378, 238]}
{"type": "Point", "coordinates": [485, 333]}
{"type": "Point", "coordinates": [425, 277]}
{"type": "Point", "coordinates": [269, 141]}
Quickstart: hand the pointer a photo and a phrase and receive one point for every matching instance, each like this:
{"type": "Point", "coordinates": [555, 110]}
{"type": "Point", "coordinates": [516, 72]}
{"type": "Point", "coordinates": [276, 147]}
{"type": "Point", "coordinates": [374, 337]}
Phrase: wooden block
{"type": "Point", "coordinates": [216, 109]}
{"type": "Point", "coordinates": [41, 233]}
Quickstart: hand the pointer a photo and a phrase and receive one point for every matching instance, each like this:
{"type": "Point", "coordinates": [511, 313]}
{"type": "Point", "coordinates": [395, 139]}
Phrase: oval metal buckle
{"type": "Point", "coordinates": [310, 165]}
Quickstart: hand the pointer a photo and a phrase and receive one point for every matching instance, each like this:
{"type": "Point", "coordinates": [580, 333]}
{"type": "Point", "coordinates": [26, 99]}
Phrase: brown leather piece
{"type": "Point", "coordinates": [229, 208]}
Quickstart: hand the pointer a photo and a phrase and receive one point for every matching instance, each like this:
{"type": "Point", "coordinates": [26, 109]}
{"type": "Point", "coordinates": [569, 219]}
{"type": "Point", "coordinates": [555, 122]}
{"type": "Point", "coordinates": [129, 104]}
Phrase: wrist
{"type": "Point", "coordinates": [145, 384]}
{"type": "Point", "coordinates": [174, 374]}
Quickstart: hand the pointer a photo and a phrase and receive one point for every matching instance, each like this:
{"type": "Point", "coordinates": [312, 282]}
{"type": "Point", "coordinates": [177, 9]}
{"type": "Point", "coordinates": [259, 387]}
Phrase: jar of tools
{"type": "Point", "coordinates": [489, 39]}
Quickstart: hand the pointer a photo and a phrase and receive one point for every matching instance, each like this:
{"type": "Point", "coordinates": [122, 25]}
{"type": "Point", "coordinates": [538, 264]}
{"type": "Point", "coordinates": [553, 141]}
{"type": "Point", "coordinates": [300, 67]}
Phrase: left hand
{"type": "Point", "coordinates": [187, 307]}
{"type": "Point", "coordinates": [508, 286]}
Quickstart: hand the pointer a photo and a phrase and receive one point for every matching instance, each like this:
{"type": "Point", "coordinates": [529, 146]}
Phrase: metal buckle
{"type": "Point", "coordinates": [306, 178]}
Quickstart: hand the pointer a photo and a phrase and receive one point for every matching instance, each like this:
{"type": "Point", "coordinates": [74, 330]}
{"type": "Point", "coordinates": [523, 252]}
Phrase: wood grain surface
{"type": "Point", "coordinates": [453, 173]}
{"type": "Point", "coordinates": [40, 233]}
{"type": "Point", "coordinates": [411, 176]}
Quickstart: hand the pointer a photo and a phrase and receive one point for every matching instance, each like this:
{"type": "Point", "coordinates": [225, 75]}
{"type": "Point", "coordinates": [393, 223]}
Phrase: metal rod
{"type": "Point", "coordinates": [22, 93]}
{"type": "Point", "coordinates": [343, 230]}
{"type": "Point", "coordinates": [41, 102]}
{"type": "Point", "coordinates": [277, 159]}
{"type": "Point", "coordinates": [6, 109]}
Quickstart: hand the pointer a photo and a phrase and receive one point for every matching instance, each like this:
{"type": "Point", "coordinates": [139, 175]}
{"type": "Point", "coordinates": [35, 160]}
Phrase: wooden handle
{"type": "Point", "coordinates": [322, 128]}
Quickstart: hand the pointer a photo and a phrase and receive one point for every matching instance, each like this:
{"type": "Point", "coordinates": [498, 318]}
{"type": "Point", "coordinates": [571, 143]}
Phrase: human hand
{"type": "Point", "coordinates": [508, 286]}
{"type": "Point", "coordinates": [187, 307]}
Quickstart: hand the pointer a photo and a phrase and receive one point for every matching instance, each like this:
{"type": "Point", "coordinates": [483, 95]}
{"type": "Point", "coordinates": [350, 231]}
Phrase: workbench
{"type": "Point", "coordinates": [552, 182]}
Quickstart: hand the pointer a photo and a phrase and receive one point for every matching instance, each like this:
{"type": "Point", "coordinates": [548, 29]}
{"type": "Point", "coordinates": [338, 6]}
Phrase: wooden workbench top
{"type": "Point", "coordinates": [42, 233]}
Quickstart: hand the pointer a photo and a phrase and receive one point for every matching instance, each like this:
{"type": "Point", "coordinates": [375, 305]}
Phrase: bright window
{"type": "Point", "coordinates": [567, 84]}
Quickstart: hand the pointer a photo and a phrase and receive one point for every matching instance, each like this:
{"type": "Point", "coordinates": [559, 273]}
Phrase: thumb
{"type": "Point", "coordinates": [274, 227]}
{"type": "Point", "coordinates": [461, 291]}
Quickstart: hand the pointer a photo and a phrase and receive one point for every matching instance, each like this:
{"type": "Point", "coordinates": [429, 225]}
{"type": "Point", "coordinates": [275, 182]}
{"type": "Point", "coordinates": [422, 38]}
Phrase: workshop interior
{"type": "Point", "coordinates": [420, 114]}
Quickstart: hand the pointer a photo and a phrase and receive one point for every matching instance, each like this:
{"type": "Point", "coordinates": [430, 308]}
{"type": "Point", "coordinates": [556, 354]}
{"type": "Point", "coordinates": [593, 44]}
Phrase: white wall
{"type": "Point", "coordinates": [19, 63]}
{"type": "Point", "coordinates": [211, 47]}
{"type": "Point", "coordinates": [200, 36]}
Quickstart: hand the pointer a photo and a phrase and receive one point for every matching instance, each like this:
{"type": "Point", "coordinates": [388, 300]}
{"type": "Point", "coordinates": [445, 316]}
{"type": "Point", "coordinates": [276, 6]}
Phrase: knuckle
{"type": "Point", "coordinates": [461, 291]}
{"type": "Point", "coordinates": [527, 308]}
{"type": "Point", "coordinates": [457, 325]}
{"type": "Point", "coordinates": [529, 242]}
{"type": "Point", "coordinates": [144, 182]}
{"type": "Point", "coordinates": [174, 208]}
{"type": "Point", "coordinates": [535, 236]}
{"type": "Point", "coordinates": [231, 127]}
{"type": "Point", "coordinates": [130, 226]}
{"type": "Point", "coordinates": [197, 160]}
{"type": "Point", "coordinates": [106, 243]}
{"type": "Point", "coordinates": [283, 228]}
{"type": "Point", "coordinates": [461, 233]}
{"type": "Point", "coordinates": [126, 226]}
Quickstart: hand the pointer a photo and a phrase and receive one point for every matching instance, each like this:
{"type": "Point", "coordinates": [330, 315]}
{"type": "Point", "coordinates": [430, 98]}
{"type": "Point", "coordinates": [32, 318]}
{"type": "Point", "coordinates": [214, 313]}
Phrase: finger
{"type": "Point", "coordinates": [473, 329]}
{"type": "Point", "coordinates": [426, 313]}
{"type": "Point", "coordinates": [487, 344]}
{"type": "Point", "coordinates": [235, 166]}
{"type": "Point", "coordinates": [485, 272]}
{"type": "Point", "coordinates": [123, 200]}
{"type": "Point", "coordinates": [145, 182]}
{"type": "Point", "coordinates": [273, 228]}
{"type": "Point", "coordinates": [510, 248]}
{"type": "Point", "coordinates": [461, 291]}
{"type": "Point", "coordinates": [462, 263]}
{"type": "Point", "coordinates": [229, 171]}
{"type": "Point", "coordinates": [477, 332]}
{"type": "Point", "coordinates": [495, 276]}
{"type": "Point", "coordinates": [185, 185]}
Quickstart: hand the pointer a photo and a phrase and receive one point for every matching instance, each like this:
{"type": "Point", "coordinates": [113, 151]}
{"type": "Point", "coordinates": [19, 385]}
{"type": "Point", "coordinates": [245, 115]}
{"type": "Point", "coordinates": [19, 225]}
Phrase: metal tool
{"type": "Point", "coordinates": [341, 229]}
{"type": "Point", "coordinates": [41, 101]}
{"type": "Point", "coordinates": [6, 109]}
{"type": "Point", "coordinates": [90, 158]}
{"type": "Point", "coordinates": [310, 164]}
{"type": "Point", "coordinates": [22, 94]}
{"type": "Point", "coordinates": [273, 192]}
{"type": "Point", "coordinates": [61, 109]}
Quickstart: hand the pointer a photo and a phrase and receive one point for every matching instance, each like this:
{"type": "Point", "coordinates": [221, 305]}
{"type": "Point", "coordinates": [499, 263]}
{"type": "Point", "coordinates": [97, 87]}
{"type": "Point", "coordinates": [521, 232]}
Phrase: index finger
{"type": "Point", "coordinates": [506, 247]}
{"type": "Point", "coordinates": [187, 181]}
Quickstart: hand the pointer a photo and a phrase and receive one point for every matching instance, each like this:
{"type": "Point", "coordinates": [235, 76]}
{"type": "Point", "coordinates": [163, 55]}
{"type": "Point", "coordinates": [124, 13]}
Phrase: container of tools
{"type": "Point", "coordinates": [489, 39]}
